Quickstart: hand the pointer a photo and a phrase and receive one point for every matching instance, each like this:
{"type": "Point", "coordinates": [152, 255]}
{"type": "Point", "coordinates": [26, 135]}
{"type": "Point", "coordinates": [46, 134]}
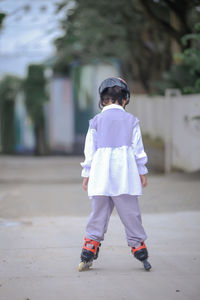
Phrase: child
{"type": "Point", "coordinates": [114, 172]}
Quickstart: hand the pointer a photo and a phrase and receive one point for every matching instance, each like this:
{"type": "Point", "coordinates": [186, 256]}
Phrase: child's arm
{"type": "Point", "coordinates": [85, 183]}
{"type": "Point", "coordinates": [140, 154]}
{"type": "Point", "coordinates": [143, 179]}
{"type": "Point", "coordinates": [89, 150]}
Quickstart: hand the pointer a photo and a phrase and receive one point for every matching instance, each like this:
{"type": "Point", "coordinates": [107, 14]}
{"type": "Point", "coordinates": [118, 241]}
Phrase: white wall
{"type": "Point", "coordinates": [60, 113]}
{"type": "Point", "coordinates": [176, 120]}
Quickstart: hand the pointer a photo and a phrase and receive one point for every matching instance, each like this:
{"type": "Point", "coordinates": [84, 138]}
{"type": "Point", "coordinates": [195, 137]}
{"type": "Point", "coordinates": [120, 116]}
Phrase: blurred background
{"type": "Point", "coordinates": [54, 55]}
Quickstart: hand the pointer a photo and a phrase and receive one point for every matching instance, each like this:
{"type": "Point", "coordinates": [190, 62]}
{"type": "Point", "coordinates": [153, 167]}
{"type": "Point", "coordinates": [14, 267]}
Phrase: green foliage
{"type": "Point", "coordinates": [138, 33]}
{"type": "Point", "coordinates": [92, 30]}
{"type": "Point", "coordinates": [178, 78]}
{"type": "Point", "coordinates": [106, 29]}
{"type": "Point", "coordinates": [2, 17]}
{"type": "Point", "coordinates": [35, 97]}
{"type": "Point", "coordinates": [35, 92]}
{"type": "Point", "coordinates": [9, 87]}
{"type": "Point", "coordinates": [186, 74]}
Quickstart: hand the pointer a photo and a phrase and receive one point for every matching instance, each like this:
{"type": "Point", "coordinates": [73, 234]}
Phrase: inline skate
{"type": "Point", "coordinates": [89, 252]}
{"type": "Point", "coordinates": [141, 254]}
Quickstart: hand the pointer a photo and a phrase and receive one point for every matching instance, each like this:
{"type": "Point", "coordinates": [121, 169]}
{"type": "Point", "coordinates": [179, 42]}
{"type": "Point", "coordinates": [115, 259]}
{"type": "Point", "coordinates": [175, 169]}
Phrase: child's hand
{"type": "Point", "coordinates": [143, 180]}
{"type": "Point", "coordinates": [85, 183]}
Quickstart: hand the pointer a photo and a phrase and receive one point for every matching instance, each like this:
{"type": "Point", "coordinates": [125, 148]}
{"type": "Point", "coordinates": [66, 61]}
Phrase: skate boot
{"type": "Point", "coordinates": [141, 254]}
{"type": "Point", "coordinates": [89, 252]}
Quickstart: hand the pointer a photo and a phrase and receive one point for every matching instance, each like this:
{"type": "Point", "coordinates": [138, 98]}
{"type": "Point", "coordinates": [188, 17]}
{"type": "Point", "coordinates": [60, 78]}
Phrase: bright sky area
{"type": "Point", "coordinates": [27, 33]}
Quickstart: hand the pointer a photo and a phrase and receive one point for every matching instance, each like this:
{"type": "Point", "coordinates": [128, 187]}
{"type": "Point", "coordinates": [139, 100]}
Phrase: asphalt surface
{"type": "Point", "coordinates": [43, 214]}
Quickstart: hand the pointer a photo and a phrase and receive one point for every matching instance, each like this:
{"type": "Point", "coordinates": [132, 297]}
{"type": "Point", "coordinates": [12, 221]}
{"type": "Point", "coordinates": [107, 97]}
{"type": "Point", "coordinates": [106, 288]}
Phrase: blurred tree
{"type": "Point", "coordinates": [9, 87]}
{"type": "Point", "coordinates": [130, 31]}
{"type": "Point", "coordinates": [177, 22]}
{"type": "Point", "coordinates": [2, 17]}
{"type": "Point", "coordinates": [191, 58]}
{"type": "Point", "coordinates": [186, 74]}
{"type": "Point", "coordinates": [35, 97]}
{"type": "Point", "coordinates": [107, 29]}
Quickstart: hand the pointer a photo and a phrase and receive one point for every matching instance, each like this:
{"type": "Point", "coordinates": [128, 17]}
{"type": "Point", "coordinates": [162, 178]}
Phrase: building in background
{"type": "Point", "coordinates": [59, 116]}
{"type": "Point", "coordinates": [73, 101]}
{"type": "Point", "coordinates": [24, 136]}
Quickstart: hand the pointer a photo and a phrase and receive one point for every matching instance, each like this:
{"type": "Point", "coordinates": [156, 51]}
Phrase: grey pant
{"type": "Point", "coordinates": [129, 212]}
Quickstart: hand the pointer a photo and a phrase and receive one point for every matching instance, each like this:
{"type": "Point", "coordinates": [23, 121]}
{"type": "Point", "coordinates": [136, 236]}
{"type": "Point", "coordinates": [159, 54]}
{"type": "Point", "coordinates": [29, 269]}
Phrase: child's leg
{"type": "Point", "coordinates": [128, 209]}
{"type": "Point", "coordinates": [102, 207]}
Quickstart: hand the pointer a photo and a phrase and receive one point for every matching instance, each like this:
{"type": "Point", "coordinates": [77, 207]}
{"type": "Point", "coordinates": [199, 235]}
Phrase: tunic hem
{"type": "Point", "coordinates": [112, 195]}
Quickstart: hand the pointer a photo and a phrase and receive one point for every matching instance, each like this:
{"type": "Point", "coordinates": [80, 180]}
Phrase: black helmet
{"type": "Point", "coordinates": [113, 81]}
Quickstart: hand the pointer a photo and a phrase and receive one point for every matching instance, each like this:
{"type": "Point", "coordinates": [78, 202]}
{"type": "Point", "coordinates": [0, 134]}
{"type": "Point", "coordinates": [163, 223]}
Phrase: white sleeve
{"type": "Point", "coordinates": [89, 150]}
{"type": "Point", "coordinates": [138, 148]}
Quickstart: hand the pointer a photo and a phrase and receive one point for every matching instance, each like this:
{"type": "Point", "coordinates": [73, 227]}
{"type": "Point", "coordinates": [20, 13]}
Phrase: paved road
{"type": "Point", "coordinates": [43, 213]}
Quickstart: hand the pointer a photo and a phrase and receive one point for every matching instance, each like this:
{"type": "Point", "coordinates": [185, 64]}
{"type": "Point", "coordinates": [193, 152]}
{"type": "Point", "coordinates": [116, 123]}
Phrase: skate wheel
{"type": "Point", "coordinates": [147, 265]}
{"type": "Point", "coordinates": [83, 266]}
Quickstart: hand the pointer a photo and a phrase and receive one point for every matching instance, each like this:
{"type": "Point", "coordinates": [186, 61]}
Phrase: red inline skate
{"type": "Point", "coordinates": [89, 252]}
{"type": "Point", "coordinates": [141, 254]}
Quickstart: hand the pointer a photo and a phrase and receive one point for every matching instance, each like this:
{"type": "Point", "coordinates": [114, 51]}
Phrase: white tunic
{"type": "Point", "coordinates": [114, 170]}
